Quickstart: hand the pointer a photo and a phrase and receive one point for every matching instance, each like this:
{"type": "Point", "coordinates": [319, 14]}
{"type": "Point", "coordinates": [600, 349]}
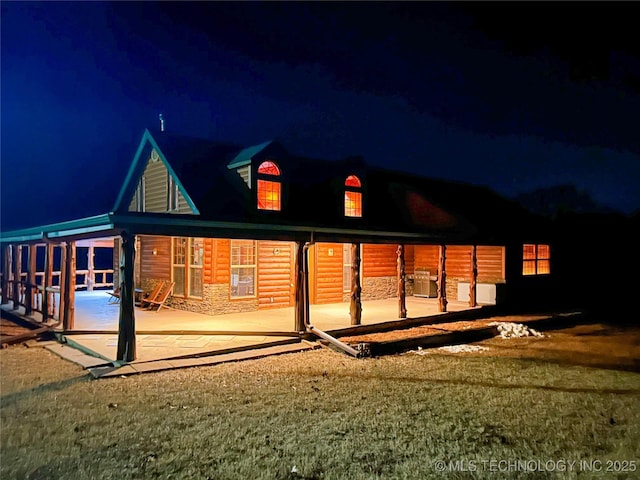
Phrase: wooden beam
{"type": "Point", "coordinates": [30, 290]}
{"type": "Point", "coordinates": [127, 322]}
{"type": "Point", "coordinates": [299, 321]}
{"type": "Point", "coordinates": [402, 289]}
{"type": "Point", "coordinates": [69, 292]}
{"type": "Point", "coordinates": [473, 279]}
{"type": "Point", "coordinates": [46, 282]}
{"type": "Point", "coordinates": [442, 279]}
{"type": "Point", "coordinates": [355, 307]}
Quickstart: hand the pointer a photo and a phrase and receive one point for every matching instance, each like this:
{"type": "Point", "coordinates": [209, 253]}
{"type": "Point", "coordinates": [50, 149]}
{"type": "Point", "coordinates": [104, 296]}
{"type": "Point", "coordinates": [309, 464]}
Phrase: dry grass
{"type": "Point", "coordinates": [329, 415]}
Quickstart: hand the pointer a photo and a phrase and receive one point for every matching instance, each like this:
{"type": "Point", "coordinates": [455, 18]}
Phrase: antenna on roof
{"type": "Point", "coordinates": [161, 122]}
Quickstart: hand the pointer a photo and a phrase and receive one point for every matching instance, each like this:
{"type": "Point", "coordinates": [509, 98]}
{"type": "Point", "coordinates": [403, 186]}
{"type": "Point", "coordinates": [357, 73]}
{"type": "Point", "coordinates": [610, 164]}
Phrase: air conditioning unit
{"type": "Point", "coordinates": [485, 293]}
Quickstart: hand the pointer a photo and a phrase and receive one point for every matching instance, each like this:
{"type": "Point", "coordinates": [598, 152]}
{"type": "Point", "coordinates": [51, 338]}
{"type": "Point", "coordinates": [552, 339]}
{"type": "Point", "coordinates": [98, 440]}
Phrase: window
{"type": "Point", "coordinates": [243, 268]}
{"type": "Point", "coordinates": [535, 259]}
{"type": "Point", "coordinates": [269, 186]}
{"type": "Point", "coordinates": [353, 197]}
{"type": "Point", "coordinates": [186, 266]}
{"type": "Point", "coordinates": [172, 194]}
{"type": "Point", "coordinates": [347, 260]}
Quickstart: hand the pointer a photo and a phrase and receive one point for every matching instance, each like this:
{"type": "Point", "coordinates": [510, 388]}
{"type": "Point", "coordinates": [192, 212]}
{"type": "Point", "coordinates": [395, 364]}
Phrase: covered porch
{"type": "Point", "coordinates": [171, 333]}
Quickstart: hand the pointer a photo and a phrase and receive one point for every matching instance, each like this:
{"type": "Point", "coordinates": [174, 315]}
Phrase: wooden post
{"type": "Point", "coordinates": [17, 268]}
{"type": "Point", "coordinates": [6, 272]}
{"type": "Point", "coordinates": [474, 277]}
{"type": "Point", "coordinates": [30, 290]}
{"type": "Point", "coordinates": [62, 282]}
{"type": "Point", "coordinates": [46, 282]}
{"type": "Point", "coordinates": [90, 273]}
{"type": "Point", "coordinates": [127, 322]}
{"type": "Point", "coordinates": [402, 291]}
{"type": "Point", "coordinates": [299, 321]}
{"type": "Point", "coordinates": [69, 292]}
{"type": "Point", "coordinates": [442, 280]}
{"type": "Point", "coordinates": [355, 308]}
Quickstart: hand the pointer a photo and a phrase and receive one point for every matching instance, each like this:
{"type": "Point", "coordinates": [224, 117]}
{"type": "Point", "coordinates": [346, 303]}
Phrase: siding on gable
{"type": "Point", "coordinates": [156, 177]}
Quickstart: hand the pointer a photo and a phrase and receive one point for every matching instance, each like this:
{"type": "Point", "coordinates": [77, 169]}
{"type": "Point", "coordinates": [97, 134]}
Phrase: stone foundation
{"type": "Point", "coordinates": [215, 300]}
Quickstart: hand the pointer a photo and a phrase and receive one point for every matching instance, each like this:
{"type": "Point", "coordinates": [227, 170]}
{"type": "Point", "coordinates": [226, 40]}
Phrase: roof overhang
{"type": "Point", "coordinates": [111, 224]}
{"type": "Point", "coordinates": [89, 227]}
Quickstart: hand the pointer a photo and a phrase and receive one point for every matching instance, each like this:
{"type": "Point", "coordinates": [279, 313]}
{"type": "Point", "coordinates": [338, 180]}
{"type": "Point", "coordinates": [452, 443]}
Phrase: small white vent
{"type": "Point", "coordinates": [154, 156]}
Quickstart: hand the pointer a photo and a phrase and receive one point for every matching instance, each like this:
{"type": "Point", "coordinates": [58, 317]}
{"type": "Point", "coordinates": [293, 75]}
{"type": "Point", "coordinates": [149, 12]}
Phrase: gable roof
{"type": "Point", "coordinates": [395, 205]}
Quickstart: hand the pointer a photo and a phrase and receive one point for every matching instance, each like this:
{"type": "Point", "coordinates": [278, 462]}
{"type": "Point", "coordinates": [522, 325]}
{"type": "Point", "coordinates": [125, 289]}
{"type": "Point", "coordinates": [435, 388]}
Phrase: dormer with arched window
{"type": "Point", "coordinates": [269, 188]}
{"type": "Point", "coordinates": [352, 197]}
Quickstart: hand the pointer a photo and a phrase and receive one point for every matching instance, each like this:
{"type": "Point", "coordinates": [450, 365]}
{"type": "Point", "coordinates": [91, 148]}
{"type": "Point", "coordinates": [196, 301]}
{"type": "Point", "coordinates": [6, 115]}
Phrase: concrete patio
{"type": "Point", "coordinates": [171, 333]}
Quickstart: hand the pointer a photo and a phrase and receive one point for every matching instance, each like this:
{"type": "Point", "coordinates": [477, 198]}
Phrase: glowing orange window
{"type": "Point", "coordinates": [536, 259]}
{"type": "Point", "coordinates": [269, 186]}
{"type": "Point", "coordinates": [353, 197]}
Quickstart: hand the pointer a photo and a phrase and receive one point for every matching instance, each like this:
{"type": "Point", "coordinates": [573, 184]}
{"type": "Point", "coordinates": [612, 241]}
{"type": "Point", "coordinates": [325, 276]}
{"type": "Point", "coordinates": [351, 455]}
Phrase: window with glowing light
{"type": "Point", "coordinates": [353, 197]}
{"type": "Point", "coordinates": [243, 268]}
{"type": "Point", "coordinates": [269, 189]}
{"type": "Point", "coordinates": [186, 266]}
{"type": "Point", "coordinates": [536, 259]}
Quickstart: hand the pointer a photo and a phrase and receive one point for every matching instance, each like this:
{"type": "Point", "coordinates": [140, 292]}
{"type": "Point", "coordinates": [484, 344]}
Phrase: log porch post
{"type": "Point", "coordinates": [17, 267]}
{"type": "Point", "coordinates": [442, 280]}
{"type": "Point", "coordinates": [69, 290]}
{"type": "Point", "coordinates": [30, 290]}
{"type": "Point", "coordinates": [127, 322]}
{"type": "Point", "coordinates": [402, 291]}
{"type": "Point", "coordinates": [355, 308]}
{"type": "Point", "coordinates": [6, 272]}
{"type": "Point", "coordinates": [90, 268]}
{"type": "Point", "coordinates": [46, 281]}
{"type": "Point", "coordinates": [300, 273]}
{"type": "Point", "coordinates": [474, 277]}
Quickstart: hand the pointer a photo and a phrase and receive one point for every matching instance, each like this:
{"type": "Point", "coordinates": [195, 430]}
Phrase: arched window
{"type": "Point", "coordinates": [353, 197]}
{"type": "Point", "coordinates": [269, 186]}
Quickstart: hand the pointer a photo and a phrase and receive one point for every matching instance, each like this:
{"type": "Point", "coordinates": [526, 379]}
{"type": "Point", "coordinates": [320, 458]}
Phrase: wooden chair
{"type": "Point", "coordinates": [162, 297]}
{"type": "Point", "coordinates": [114, 297]}
{"type": "Point", "coordinates": [153, 295]}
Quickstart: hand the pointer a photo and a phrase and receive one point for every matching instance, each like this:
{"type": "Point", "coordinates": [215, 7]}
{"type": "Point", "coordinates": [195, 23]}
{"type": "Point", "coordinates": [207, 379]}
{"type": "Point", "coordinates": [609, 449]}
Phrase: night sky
{"type": "Point", "coordinates": [515, 96]}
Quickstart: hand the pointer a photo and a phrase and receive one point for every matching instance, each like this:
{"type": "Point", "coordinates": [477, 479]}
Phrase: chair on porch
{"type": "Point", "coordinates": [153, 295]}
{"type": "Point", "coordinates": [114, 297]}
{"type": "Point", "coordinates": [162, 297]}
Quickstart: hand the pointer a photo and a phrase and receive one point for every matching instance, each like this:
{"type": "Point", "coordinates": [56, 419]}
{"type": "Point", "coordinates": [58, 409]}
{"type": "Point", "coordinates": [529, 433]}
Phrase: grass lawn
{"type": "Point", "coordinates": [327, 415]}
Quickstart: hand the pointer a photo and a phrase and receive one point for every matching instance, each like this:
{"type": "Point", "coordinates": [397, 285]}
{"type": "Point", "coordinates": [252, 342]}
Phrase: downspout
{"type": "Point", "coordinates": [307, 320]}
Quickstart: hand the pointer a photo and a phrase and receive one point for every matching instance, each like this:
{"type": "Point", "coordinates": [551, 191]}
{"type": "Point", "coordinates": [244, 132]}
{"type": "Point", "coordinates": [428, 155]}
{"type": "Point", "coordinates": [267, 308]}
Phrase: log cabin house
{"type": "Point", "coordinates": [243, 229]}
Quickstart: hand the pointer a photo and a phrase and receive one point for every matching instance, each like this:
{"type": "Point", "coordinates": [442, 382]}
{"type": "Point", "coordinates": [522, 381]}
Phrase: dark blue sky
{"type": "Point", "coordinates": [511, 95]}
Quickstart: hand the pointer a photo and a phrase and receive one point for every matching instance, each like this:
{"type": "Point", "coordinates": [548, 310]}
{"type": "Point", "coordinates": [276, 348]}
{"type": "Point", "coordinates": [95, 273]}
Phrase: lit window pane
{"type": "Point", "coordinates": [178, 277]}
{"type": "Point", "coordinates": [268, 195]}
{"type": "Point", "coordinates": [529, 267]}
{"type": "Point", "coordinates": [543, 251]}
{"type": "Point", "coordinates": [529, 251]}
{"type": "Point", "coordinates": [352, 204]}
{"type": "Point", "coordinates": [352, 181]}
{"type": "Point", "coordinates": [544, 266]}
{"type": "Point", "coordinates": [269, 168]}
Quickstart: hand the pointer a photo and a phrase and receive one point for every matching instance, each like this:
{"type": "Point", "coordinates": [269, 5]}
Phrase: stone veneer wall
{"type": "Point", "coordinates": [452, 287]}
{"type": "Point", "coordinates": [215, 300]}
{"type": "Point", "coordinates": [378, 288]}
